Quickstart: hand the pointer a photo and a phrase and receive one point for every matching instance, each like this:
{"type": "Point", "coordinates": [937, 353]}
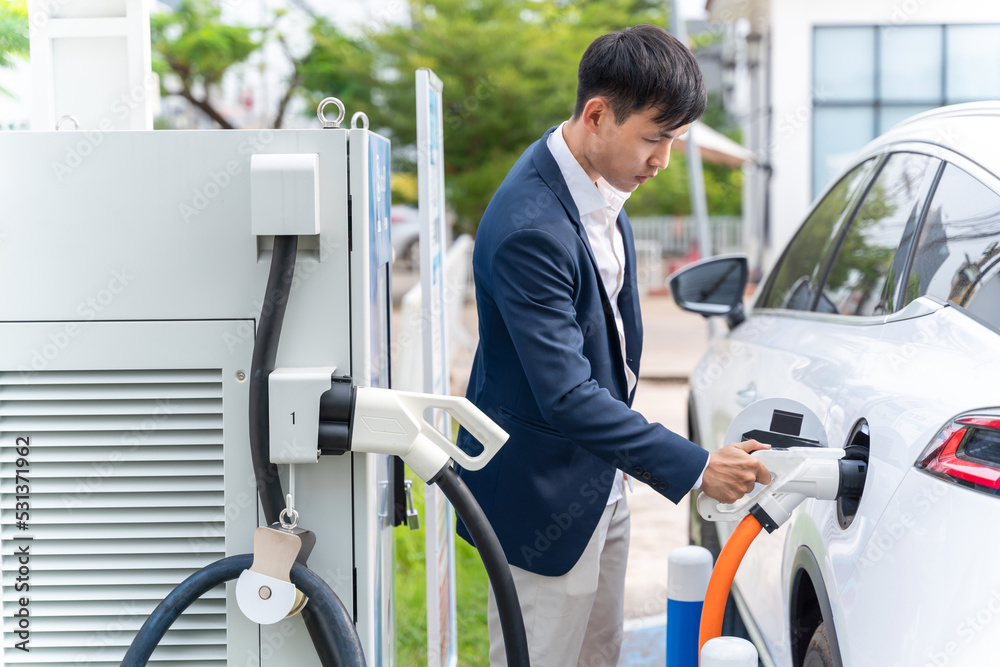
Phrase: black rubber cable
{"type": "Point", "coordinates": [515, 639]}
{"type": "Point", "coordinates": [332, 617]}
{"type": "Point", "coordinates": [265, 351]}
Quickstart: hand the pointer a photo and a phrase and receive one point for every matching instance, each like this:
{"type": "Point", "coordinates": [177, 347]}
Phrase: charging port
{"type": "Point", "coordinates": [853, 471]}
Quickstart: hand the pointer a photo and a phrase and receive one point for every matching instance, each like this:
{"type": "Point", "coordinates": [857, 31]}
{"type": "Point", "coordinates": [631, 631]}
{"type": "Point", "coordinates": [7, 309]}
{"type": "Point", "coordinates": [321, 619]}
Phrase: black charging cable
{"type": "Point", "coordinates": [265, 352]}
{"type": "Point", "coordinates": [331, 618]}
{"type": "Point", "coordinates": [515, 639]}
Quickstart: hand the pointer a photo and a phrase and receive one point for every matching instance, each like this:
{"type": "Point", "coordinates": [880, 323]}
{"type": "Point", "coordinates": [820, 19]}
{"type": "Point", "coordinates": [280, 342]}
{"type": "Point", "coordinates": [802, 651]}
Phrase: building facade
{"type": "Point", "coordinates": [826, 78]}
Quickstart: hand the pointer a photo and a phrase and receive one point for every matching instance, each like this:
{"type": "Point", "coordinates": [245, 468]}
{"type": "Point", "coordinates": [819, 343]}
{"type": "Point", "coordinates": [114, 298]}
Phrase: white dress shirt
{"type": "Point", "coordinates": [599, 208]}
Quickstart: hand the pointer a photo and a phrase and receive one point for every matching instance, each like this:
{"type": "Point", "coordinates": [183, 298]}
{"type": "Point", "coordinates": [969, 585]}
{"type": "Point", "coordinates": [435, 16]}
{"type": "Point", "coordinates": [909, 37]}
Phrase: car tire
{"type": "Point", "coordinates": [819, 653]}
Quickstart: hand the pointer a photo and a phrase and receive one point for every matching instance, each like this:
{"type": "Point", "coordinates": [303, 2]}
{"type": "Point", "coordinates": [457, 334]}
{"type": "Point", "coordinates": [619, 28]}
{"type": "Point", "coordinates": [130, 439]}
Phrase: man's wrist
{"type": "Point", "coordinates": [701, 477]}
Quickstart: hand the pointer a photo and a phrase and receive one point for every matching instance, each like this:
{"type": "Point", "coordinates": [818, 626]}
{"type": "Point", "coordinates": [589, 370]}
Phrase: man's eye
{"type": "Point", "coordinates": [653, 141]}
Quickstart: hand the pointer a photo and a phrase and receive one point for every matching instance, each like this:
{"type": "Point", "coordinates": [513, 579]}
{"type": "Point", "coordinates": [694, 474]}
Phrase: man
{"type": "Point", "coordinates": [558, 357]}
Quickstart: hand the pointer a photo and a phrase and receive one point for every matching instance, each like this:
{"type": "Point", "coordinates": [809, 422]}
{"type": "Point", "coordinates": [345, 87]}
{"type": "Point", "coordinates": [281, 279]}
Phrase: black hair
{"type": "Point", "coordinates": [640, 67]}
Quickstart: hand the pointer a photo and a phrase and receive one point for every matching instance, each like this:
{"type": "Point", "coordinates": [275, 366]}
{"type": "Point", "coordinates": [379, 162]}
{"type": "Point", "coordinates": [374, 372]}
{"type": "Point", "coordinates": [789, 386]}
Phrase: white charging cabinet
{"type": "Point", "coordinates": [130, 286]}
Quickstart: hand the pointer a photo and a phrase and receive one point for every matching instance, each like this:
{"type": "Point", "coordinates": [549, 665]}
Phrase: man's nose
{"type": "Point", "coordinates": [661, 156]}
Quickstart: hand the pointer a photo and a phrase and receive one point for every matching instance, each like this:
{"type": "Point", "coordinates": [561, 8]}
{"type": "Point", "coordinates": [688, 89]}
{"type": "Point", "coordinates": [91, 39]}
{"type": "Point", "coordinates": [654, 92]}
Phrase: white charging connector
{"type": "Point", "coordinates": [308, 404]}
{"type": "Point", "coordinates": [386, 421]}
{"type": "Point", "coordinates": [797, 473]}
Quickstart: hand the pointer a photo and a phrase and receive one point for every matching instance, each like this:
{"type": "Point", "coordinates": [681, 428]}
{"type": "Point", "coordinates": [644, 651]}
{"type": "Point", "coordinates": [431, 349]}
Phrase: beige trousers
{"type": "Point", "coordinates": [574, 620]}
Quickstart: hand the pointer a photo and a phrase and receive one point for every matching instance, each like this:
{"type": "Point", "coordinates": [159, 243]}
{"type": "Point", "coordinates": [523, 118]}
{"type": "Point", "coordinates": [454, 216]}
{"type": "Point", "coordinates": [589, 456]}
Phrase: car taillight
{"type": "Point", "coordinates": [967, 452]}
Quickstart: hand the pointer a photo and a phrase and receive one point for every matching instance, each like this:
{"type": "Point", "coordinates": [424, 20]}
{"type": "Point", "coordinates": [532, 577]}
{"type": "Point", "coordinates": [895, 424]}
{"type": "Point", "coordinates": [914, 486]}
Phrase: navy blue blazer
{"type": "Point", "coordinates": [549, 371]}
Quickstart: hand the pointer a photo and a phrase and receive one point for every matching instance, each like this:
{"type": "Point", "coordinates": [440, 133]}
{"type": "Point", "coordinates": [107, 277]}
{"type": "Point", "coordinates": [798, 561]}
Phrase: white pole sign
{"type": "Point", "coordinates": [442, 642]}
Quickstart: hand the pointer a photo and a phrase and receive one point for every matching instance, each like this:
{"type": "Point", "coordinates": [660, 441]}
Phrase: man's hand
{"type": "Point", "coordinates": [731, 471]}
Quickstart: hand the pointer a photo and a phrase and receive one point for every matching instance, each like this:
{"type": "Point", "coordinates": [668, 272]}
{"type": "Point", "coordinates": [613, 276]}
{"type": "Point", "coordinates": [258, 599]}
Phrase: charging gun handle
{"type": "Point", "coordinates": [394, 422]}
{"type": "Point", "coordinates": [474, 420]}
{"type": "Point", "coordinates": [711, 509]}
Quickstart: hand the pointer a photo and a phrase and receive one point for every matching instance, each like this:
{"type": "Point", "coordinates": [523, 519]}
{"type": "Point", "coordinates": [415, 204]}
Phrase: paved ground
{"type": "Point", "coordinates": [674, 341]}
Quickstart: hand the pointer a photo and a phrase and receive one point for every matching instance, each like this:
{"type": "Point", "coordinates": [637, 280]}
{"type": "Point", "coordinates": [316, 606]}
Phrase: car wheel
{"type": "Point", "coordinates": [818, 653]}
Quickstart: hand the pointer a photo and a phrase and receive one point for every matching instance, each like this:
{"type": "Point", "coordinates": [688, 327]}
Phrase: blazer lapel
{"type": "Point", "coordinates": [628, 301]}
{"type": "Point", "coordinates": [548, 169]}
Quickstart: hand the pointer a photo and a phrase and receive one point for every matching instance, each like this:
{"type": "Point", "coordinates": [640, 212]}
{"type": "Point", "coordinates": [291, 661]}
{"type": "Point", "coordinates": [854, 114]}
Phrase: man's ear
{"type": "Point", "coordinates": [596, 114]}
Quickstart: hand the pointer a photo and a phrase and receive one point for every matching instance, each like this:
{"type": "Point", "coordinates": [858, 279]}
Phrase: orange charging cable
{"type": "Point", "coordinates": [722, 578]}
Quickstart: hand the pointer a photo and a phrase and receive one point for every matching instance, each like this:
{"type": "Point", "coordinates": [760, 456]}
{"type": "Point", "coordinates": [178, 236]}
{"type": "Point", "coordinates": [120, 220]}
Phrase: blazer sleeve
{"type": "Point", "coordinates": [534, 282]}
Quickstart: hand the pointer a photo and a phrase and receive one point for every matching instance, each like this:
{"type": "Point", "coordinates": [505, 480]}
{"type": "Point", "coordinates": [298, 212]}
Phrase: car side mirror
{"type": "Point", "coordinates": [713, 286]}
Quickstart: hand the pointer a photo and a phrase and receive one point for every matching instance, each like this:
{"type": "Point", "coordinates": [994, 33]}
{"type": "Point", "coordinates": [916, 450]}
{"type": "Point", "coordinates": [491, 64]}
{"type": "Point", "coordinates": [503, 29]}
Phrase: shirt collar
{"type": "Point", "coordinates": [586, 197]}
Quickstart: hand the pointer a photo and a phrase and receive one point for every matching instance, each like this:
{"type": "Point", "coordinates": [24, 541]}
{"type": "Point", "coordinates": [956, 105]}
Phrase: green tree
{"type": "Point", "coordinates": [13, 35]}
{"type": "Point", "coordinates": [335, 65]}
{"type": "Point", "coordinates": [193, 49]}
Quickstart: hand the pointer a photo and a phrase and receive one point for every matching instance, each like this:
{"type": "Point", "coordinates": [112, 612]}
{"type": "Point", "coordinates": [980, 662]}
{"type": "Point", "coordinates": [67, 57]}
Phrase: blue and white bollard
{"type": "Point", "coordinates": [728, 652]}
{"type": "Point", "coordinates": [688, 571]}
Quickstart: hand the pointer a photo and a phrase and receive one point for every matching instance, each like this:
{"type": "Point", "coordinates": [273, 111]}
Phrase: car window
{"type": "Point", "coordinates": [793, 281]}
{"type": "Point", "coordinates": [864, 275]}
{"type": "Point", "coordinates": [958, 251]}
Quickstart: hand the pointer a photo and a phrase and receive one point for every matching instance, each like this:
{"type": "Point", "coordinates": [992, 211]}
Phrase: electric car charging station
{"type": "Point", "coordinates": [134, 285]}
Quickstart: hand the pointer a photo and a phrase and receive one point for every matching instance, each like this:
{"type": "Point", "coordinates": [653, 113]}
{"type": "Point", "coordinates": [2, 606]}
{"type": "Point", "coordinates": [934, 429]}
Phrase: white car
{"type": "Point", "coordinates": [882, 316]}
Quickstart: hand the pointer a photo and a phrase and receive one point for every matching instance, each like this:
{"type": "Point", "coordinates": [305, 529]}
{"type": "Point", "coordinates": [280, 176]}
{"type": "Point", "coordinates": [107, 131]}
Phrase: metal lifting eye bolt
{"type": "Point", "coordinates": [71, 119]}
{"type": "Point", "coordinates": [359, 120]}
{"type": "Point", "coordinates": [340, 116]}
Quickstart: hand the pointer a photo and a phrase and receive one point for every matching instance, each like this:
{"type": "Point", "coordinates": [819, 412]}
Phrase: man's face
{"type": "Point", "coordinates": [629, 154]}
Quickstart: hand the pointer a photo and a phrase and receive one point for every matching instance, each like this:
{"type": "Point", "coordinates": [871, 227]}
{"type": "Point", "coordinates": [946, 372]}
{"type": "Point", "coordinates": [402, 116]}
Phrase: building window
{"type": "Point", "coordinates": [868, 78]}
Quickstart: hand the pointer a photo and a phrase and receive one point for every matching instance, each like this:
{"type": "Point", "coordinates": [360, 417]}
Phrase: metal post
{"type": "Point", "coordinates": [689, 570]}
{"type": "Point", "coordinates": [696, 175]}
{"type": "Point", "coordinates": [728, 652]}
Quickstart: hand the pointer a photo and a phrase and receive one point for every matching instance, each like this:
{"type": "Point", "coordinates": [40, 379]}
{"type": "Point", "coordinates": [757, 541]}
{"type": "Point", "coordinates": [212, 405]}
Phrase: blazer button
{"type": "Point", "coordinates": [663, 485]}
{"type": "Point", "coordinates": [637, 470]}
{"type": "Point", "coordinates": [655, 482]}
{"type": "Point", "coordinates": [647, 476]}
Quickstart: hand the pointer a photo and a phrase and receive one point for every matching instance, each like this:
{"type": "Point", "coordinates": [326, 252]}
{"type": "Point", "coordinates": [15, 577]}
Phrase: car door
{"type": "Point", "coordinates": [940, 362]}
{"type": "Point", "coordinates": [809, 332]}
{"type": "Point", "coordinates": [763, 357]}
{"type": "Point", "coordinates": [860, 292]}
{"type": "Point", "coordinates": [732, 375]}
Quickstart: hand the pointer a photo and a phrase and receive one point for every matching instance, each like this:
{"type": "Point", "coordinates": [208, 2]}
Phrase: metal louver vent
{"type": "Point", "coordinates": [126, 499]}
